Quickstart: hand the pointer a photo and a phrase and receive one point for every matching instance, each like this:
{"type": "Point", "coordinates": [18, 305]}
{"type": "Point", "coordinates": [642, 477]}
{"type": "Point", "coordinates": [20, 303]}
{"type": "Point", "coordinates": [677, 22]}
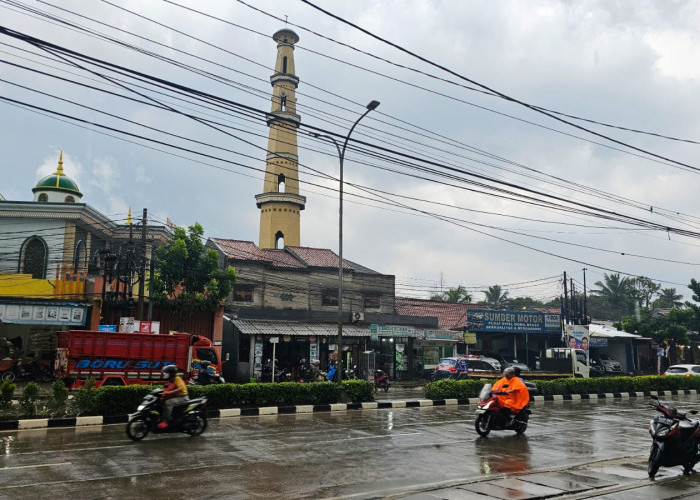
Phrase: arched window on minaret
{"type": "Point", "coordinates": [283, 102]}
{"type": "Point", "coordinates": [279, 241]}
{"type": "Point", "coordinates": [280, 183]}
{"type": "Point", "coordinates": [284, 64]}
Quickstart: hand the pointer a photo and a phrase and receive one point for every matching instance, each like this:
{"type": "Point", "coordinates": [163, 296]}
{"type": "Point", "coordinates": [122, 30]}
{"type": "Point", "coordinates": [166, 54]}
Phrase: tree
{"type": "Point", "coordinates": [670, 329]}
{"type": "Point", "coordinates": [187, 276]}
{"type": "Point", "coordinates": [616, 297]}
{"type": "Point", "coordinates": [495, 297]}
{"type": "Point", "coordinates": [643, 290]}
{"type": "Point", "coordinates": [455, 295]}
{"type": "Point", "coordinates": [669, 298]}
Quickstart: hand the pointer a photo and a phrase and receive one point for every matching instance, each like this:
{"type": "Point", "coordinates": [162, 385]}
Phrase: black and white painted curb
{"type": "Point", "coordinates": [43, 423]}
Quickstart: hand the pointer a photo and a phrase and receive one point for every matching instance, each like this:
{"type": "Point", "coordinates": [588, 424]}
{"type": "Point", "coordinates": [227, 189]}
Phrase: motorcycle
{"type": "Point", "coordinates": [350, 373]}
{"type": "Point", "coordinates": [206, 375]}
{"type": "Point", "coordinates": [675, 439]}
{"type": "Point", "coordinates": [490, 416]}
{"type": "Point", "coordinates": [381, 380]}
{"type": "Point", "coordinates": [189, 417]}
{"type": "Point", "coordinates": [28, 371]}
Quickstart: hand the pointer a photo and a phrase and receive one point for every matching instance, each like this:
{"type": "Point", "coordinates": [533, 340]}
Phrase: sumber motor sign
{"type": "Point", "coordinates": [486, 320]}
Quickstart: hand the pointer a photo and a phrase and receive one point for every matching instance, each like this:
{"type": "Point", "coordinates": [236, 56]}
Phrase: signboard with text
{"type": "Point", "coordinates": [488, 320]}
{"type": "Point", "coordinates": [392, 331]}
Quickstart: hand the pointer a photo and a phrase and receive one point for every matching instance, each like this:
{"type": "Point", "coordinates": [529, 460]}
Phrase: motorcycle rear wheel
{"type": "Point", "coordinates": [137, 428]}
{"type": "Point", "coordinates": [482, 425]}
{"type": "Point", "coordinates": [197, 426]}
{"type": "Point", "coordinates": [654, 460]}
{"type": "Point", "coordinates": [384, 385]}
{"type": "Point", "coordinates": [9, 376]}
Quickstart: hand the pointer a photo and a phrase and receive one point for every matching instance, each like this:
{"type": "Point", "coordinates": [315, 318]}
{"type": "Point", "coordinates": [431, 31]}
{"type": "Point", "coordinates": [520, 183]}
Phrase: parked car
{"type": "Point", "coordinates": [482, 367]}
{"type": "Point", "coordinates": [453, 367]}
{"type": "Point", "coordinates": [506, 361]}
{"type": "Point", "coordinates": [596, 369]}
{"type": "Point", "coordinates": [610, 364]}
{"type": "Point", "coordinates": [686, 370]}
{"type": "Point", "coordinates": [484, 357]}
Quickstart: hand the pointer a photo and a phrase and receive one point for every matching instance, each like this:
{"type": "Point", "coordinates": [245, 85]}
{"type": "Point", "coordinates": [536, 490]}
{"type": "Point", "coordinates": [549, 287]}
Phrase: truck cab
{"type": "Point", "coordinates": [566, 360]}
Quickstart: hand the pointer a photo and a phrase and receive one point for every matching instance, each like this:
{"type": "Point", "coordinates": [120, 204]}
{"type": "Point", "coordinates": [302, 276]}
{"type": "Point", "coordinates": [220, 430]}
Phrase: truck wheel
{"type": "Point", "coordinates": [137, 428]}
{"type": "Point", "coordinates": [9, 375]}
{"type": "Point", "coordinates": [197, 425]}
{"type": "Point", "coordinates": [483, 424]}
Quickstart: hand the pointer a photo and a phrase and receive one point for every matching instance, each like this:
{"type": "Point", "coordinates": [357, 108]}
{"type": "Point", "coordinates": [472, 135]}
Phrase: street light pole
{"type": "Point", "coordinates": [341, 155]}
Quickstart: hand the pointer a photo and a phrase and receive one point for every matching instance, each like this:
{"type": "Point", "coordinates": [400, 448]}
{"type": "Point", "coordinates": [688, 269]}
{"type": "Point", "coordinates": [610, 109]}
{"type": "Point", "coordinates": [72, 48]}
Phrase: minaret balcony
{"type": "Point", "coordinates": [284, 77]}
{"type": "Point", "coordinates": [283, 116]}
{"type": "Point", "coordinates": [290, 198]}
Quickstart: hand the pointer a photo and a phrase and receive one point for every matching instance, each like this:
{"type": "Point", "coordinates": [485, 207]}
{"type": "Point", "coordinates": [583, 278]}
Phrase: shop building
{"type": "Point", "coordinates": [57, 252]}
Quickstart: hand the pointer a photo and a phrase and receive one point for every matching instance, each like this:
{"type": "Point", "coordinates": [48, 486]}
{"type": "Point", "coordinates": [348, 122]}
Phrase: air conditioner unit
{"type": "Point", "coordinates": [358, 316]}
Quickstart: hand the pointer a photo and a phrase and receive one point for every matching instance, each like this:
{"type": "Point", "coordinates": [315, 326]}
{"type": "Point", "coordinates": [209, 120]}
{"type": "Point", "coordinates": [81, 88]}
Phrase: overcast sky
{"type": "Point", "coordinates": [473, 186]}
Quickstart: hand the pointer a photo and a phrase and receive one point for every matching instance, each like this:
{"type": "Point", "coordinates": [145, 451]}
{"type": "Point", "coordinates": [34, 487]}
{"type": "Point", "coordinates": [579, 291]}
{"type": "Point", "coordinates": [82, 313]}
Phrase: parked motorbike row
{"type": "Point", "coordinates": [28, 371]}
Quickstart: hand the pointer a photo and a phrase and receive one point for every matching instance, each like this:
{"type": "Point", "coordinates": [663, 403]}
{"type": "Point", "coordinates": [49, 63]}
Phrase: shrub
{"type": "Point", "coordinates": [358, 390]}
{"type": "Point", "coordinates": [84, 398]}
{"type": "Point", "coordinates": [462, 389]}
{"type": "Point", "coordinates": [30, 396]}
{"type": "Point", "coordinates": [7, 393]}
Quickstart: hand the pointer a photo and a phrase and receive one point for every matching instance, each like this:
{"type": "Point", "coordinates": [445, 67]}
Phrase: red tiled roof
{"type": "Point", "coordinates": [281, 258]}
{"type": "Point", "coordinates": [450, 315]}
{"type": "Point", "coordinates": [240, 250]}
{"type": "Point", "coordinates": [318, 257]}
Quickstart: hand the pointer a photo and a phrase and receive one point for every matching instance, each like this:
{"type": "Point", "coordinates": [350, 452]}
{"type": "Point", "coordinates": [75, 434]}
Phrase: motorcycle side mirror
{"type": "Point", "coordinates": [654, 397]}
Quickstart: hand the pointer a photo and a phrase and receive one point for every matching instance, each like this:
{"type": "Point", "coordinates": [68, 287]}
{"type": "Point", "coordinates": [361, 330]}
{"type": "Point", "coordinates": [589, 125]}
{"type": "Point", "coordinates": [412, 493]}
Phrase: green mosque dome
{"type": "Point", "coordinates": [58, 181]}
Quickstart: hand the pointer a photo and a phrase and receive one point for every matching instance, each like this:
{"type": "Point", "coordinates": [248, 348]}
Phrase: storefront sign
{"type": "Point", "coordinates": [391, 331]}
{"type": "Point", "coordinates": [29, 314]}
{"type": "Point", "coordinates": [443, 335]}
{"type": "Point", "coordinates": [487, 320]}
{"type": "Point", "coordinates": [595, 342]}
{"type": "Point", "coordinates": [470, 338]}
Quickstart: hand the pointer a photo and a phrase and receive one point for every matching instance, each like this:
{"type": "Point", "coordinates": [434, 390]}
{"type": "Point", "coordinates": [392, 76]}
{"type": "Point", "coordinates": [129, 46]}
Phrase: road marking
{"type": "Point", "coordinates": [364, 437]}
{"type": "Point", "coordinates": [34, 466]}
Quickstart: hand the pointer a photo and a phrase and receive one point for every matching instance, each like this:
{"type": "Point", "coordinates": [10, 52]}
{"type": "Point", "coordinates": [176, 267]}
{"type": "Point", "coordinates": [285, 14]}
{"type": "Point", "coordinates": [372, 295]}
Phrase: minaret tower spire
{"type": "Point", "coordinates": [280, 203]}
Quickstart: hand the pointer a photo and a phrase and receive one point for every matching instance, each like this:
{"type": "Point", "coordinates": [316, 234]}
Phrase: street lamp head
{"type": "Point", "coordinates": [373, 105]}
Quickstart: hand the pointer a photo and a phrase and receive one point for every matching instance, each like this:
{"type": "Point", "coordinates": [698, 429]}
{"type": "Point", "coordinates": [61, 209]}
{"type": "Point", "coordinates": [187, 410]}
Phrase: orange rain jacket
{"type": "Point", "coordinates": [516, 400]}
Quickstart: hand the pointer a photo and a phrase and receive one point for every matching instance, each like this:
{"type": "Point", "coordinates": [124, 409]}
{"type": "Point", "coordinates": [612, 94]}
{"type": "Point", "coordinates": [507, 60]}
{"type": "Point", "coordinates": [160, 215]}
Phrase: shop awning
{"type": "Point", "coordinates": [271, 327]}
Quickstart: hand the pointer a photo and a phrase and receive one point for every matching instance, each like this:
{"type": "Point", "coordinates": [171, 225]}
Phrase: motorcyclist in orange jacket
{"type": "Point", "coordinates": [516, 395]}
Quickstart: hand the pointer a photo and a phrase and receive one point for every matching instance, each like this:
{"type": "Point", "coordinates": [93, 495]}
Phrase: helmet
{"type": "Point", "coordinates": [516, 371]}
{"type": "Point", "coordinates": [169, 370]}
{"type": "Point", "coordinates": [204, 364]}
{"type": "Point", "coordinates": [510, 371]}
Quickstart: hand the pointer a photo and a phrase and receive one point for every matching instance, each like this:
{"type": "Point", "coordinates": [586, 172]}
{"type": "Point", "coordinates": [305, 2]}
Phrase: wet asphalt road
{"type": "Point", "coordinates": [416, 453]}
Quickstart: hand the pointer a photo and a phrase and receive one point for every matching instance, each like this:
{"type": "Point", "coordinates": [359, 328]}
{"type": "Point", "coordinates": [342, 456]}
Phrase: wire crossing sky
{"type": "Point", "coordinates": [513, 142]}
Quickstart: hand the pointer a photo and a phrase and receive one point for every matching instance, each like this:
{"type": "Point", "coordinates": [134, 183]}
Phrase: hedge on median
{"type": "Point", "coordinates": [464, 389]}
{"type": "Point", "coordinates": [120, 400]}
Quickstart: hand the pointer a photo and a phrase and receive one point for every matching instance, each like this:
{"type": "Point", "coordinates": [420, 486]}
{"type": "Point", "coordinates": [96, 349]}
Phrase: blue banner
{"type": "Point", "coordinates": [488, 320]}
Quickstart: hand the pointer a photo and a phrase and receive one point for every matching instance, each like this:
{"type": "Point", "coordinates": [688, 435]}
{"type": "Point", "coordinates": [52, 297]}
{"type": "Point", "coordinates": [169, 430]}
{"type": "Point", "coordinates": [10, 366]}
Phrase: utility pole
{"type": "Point", "coordinates": [573, 302]}
{"type": "Point", "coordinates": [142, 264]}
{"type": "Point", "coordinates": [566, 301]}
{"type": "Point", "coordinates": [585, 298]}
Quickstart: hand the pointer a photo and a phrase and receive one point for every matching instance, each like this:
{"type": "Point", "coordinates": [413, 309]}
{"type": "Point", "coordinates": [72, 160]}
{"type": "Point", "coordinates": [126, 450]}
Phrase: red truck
{"type": "Point", "coordinates": [129, 358]}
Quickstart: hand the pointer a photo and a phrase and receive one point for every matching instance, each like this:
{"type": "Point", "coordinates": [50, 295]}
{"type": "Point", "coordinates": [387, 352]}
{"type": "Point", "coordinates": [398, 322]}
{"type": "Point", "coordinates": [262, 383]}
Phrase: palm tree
{"type": "Point", "coordinates": [495, 297]}
{"type": "Point", "coordinates": [617, 292]}
{"type": "Point", "coordinates": [669, 298]}
{"type": "Point", "coordinates": [455, 295]}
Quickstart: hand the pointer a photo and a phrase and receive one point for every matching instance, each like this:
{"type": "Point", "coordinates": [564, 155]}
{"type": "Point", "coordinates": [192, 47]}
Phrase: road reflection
{"type": "Point", "coordinates": [506, 454]}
